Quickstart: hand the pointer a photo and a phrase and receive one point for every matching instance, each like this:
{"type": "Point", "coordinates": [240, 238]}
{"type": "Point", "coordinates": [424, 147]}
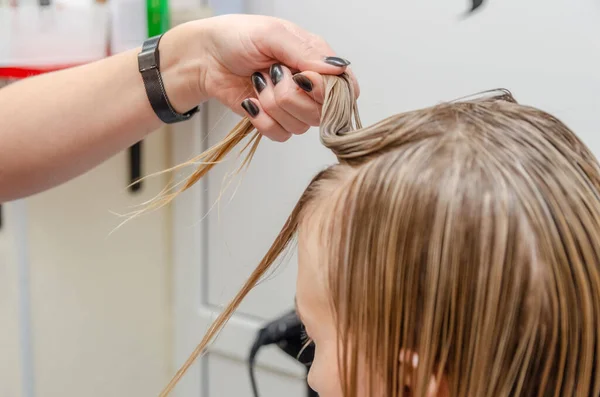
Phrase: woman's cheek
{"type": "Point", "coordinates": [324, 377]}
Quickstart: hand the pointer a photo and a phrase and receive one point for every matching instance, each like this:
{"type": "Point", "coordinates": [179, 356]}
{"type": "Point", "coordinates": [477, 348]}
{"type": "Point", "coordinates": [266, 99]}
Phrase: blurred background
{"type": "Point", "coordinates": [85, 313]}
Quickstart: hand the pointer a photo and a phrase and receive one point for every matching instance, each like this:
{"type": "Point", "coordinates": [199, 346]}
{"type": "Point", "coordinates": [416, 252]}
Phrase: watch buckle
{"type": "Point", "coordinates": [148, 59]}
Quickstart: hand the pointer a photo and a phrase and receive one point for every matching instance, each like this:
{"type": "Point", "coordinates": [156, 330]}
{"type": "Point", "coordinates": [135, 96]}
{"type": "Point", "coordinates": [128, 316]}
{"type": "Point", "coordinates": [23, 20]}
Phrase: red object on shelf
{"type": "Point", "coordinates": [23, 72]}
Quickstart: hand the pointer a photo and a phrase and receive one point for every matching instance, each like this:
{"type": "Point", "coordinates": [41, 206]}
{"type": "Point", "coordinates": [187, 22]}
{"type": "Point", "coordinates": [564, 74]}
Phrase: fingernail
{"type": "Point", "coordinates": [259, 82]}
{"type": "Point", "coordinates": [303, 82]}
{"type": "Point", "coordinates": [250, 107]}
{"type": "Point", "coordinates": [276, 73]}
{"type": "Point", "coordinates": [337, 61]}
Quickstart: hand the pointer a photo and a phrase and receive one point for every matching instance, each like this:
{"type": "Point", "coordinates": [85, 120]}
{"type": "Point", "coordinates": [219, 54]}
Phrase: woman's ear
{"type": "Point", "coordinates": [437, 387]}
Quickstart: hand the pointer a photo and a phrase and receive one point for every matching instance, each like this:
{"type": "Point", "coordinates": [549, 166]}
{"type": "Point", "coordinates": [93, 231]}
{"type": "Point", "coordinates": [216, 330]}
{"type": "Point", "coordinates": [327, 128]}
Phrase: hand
{"type": "Point", "coordinates": [248, 62]}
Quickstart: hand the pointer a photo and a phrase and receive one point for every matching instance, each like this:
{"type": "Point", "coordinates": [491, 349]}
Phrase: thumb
{"type": "Point", "coordinates": [298, 49]}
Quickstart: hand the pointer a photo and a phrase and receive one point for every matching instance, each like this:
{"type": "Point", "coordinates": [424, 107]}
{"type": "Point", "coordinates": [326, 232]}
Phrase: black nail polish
{"type": "Point", "coordinates": [250, 107]}
{"type": "Point", "coordinates": [276, 73]}
{"type": "Point", "coordinates": [303, 82]}
{"type": "Point", "coordinates": [259, 82]}
{"type": "Point", "coordinates": [337, 61]}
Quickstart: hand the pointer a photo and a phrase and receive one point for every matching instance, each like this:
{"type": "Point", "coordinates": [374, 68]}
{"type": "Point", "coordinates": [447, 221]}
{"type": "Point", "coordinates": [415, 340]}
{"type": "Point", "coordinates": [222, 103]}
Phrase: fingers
{"type": "Point", "coordinates": [263, 122]}
{"type": "Point", "coordinates": [314, 84]}
{"type": "Point", "coordinates": [286, 104]}
{"type": "Point", "coordinates": [282, 107]}
{"type": "Point", "coordinates": [298, 49]}
{"type": "Point", "coordinates": [286, 94]}
{"type": "Point", "coordinates": [281, 98]}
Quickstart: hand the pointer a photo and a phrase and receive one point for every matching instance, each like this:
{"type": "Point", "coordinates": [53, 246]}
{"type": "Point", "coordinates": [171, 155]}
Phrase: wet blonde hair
{"type": "Point", "coordinates": [466, 233]}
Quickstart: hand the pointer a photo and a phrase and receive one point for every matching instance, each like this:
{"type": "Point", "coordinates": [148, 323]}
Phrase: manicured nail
{"type": "Point", "coordinates": [259, 82]}
{"type": "Point", "coordinates": [303, 82]}
{"type": "Point", "coordinates": [276, 73]}
{"type": "Point", "coordinates": [250, 107]}
{"type": "Point", "coordinates": [337, 61]}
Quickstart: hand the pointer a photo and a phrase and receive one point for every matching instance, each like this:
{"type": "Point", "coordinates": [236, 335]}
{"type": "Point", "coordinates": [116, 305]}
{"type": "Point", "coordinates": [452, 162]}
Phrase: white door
{"type": "Point", "coordinates": [406, 55]}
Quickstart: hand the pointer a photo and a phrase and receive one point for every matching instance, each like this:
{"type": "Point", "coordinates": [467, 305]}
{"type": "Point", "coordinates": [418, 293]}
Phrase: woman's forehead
{"type": "Point", "coordinates": [310, 250]}
{"type": "Point", "coordinates": [313, 239]}
{"type": "Point", "coordinates": [317, 223]}
{"type": "Point", "coordinates": [312, 269]}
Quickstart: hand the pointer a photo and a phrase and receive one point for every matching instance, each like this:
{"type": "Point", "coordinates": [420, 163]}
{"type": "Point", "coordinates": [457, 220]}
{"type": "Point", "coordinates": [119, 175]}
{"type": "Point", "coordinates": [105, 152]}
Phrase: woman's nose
{"type": "Point", "coordinates": [311, 379]}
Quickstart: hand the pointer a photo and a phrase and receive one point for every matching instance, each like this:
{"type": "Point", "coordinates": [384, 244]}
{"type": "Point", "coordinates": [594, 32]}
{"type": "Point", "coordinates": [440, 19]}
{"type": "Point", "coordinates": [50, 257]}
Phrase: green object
{"type": "Point", "coordinates": [158, 17]}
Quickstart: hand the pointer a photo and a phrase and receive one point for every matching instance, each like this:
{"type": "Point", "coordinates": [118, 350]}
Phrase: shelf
{"type": "Point", "coordinates": [24, 72]}
{"type": "Point", "coordinates": [37, 40]}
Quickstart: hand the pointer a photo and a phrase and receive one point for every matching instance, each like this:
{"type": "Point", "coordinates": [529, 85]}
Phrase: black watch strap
{"type": "Point", "coordinates": [149, 67]}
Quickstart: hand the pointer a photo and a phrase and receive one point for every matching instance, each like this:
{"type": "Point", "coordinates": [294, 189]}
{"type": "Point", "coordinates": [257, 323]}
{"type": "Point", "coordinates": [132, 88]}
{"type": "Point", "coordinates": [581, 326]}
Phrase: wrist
{"type": "Point", "coordinates": [182, 67]}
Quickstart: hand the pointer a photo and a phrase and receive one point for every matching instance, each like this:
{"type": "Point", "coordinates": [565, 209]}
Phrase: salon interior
{"type": "Point", "coordinates": [93, 306]}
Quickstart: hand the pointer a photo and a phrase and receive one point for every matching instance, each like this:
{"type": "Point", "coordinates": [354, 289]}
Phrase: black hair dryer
{"type": "Point", "coordinates": [287, 333]}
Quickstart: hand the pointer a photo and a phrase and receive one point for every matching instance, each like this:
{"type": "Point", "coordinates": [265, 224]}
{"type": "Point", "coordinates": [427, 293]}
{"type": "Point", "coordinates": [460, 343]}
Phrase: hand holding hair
{"type": "Point", "coordinates": [85, 115]}
{"type": "Point", "coordinates": [267, 68]}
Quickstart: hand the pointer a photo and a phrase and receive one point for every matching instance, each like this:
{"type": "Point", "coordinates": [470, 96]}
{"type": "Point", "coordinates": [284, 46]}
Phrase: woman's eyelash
{"type": "Point", "coordinates": [306, 340]}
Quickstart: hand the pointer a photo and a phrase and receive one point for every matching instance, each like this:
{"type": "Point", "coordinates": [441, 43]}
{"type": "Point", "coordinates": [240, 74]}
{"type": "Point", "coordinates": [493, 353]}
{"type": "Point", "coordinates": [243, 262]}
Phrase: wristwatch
{"type": "Point", "coordinates": [149, 67]}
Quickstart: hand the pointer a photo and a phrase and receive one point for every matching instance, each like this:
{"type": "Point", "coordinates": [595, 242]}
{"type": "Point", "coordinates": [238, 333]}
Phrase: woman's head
{"type": "Point", "coordinates": [464, 237]}
{"type": "Point", "coordinates": [452, 251]}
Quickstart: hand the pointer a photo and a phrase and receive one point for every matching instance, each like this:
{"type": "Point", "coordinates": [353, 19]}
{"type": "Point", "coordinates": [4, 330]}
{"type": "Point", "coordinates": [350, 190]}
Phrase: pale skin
{"type": "Point", "coordinates": [314, 308]}
{"type": "Point", "coordinates": [57, 126]}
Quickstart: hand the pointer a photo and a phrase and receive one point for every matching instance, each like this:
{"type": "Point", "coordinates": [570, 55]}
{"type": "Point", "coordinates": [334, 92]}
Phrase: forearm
{"type": "Point", "coordinates": [57, 126]}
